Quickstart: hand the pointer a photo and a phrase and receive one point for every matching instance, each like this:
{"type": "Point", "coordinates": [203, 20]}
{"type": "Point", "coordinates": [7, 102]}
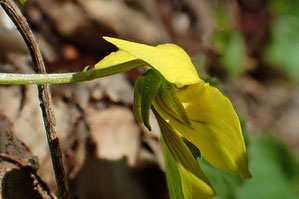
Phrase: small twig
{"type": "Point", "coordinates": [44, 94]}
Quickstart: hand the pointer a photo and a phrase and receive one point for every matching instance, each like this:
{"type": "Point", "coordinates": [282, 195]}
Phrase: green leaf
{"type": "Point", "coordinates": [275, 171]}
{"type": "Point", "coordinates": [170, 91]}
{"type": "Point", "coordinates": [228, 42]}
{"type": "Point", "coordinates": [281, 51]}
{"type": "Point", "coordinates": [22, 1]}
{"type": "Point", "coordinates": [149, 89]}
{"type": "Point", "coordinates": [233, 58]}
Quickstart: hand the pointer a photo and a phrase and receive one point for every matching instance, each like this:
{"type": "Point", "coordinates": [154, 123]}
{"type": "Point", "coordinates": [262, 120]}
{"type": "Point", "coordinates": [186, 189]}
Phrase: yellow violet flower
{"type": "Point", "coordinates": [216, 128]}
{"type": "Point", "coordinates": [204, 116]}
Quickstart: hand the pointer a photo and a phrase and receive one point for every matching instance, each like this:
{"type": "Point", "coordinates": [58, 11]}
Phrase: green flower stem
{"type": "Point", "coordinates": [62, 78]}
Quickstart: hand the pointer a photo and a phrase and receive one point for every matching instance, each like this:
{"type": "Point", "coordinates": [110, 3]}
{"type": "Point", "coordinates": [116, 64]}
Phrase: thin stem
{"type": "Point", "coordinates": [61, 78]}
{"type": "Point", "coordinates": [44, 93]}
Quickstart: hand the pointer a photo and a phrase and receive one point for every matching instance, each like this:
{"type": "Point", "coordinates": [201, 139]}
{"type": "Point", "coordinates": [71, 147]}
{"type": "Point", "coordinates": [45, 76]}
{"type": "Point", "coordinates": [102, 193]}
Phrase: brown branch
{"type": "Point", "coordinates": [44, 94]}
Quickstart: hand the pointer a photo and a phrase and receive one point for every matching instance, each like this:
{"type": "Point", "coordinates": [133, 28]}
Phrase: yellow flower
{"type": "Point", "coordinates": [216, 128]}
{"type": "Point", "coordinates": [207, 119]}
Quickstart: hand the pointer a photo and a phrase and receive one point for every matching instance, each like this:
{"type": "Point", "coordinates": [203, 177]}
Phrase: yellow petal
{"type": "Point", "coordinates": [169, 59]}
{"type": "Point", "coordinates": [194, 182]}
{"type": "Point", "coordinates": [114, 58]}
{"type": "Point", "coordinates": [194, 187]}
{"type": "Point", "coordinates": [217, 132]}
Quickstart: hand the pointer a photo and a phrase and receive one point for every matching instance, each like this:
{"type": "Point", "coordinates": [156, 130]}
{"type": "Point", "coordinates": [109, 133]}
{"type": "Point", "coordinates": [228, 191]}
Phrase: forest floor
{"type": "Point", "coordinates": [102, 143]}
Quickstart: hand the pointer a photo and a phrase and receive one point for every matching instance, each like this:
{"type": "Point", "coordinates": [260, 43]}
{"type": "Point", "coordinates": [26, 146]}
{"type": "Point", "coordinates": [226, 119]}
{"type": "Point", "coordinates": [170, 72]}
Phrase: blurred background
{"type": "Point", "coordinates": [249, 49]}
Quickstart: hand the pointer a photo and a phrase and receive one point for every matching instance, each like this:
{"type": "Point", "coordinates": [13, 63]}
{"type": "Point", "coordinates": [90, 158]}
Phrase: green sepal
{"type": "Point", "coordinates": [170, 91]}
{"type": "Point", "coordinates": [151, 84]}
{"type": "Point", "coordinates": [137, 99]}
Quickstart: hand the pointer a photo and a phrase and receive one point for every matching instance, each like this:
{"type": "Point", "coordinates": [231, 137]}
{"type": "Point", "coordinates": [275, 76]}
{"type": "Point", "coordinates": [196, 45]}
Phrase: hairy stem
{"type": "Point", "coordinates": [44, 93]}
{"type": "Point", "coordinates": [61, 78]}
